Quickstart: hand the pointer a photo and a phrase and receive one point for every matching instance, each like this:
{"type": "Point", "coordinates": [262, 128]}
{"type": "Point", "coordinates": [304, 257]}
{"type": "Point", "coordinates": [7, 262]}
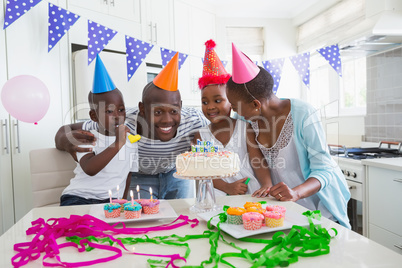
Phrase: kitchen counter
{"type": "Point", "coordinates": [347, 249]}
{"type": "Point", "coordinates": [387, 163]}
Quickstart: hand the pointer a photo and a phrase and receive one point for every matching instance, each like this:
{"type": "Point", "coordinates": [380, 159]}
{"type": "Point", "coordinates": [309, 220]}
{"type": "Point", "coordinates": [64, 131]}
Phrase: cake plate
{"type": "Point", "coordinates": [205, 200]}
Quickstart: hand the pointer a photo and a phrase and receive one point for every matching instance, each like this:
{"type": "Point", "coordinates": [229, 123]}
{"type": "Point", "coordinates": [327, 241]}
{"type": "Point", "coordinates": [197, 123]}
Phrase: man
{"type": "Point", "coordinates": [166, 129]}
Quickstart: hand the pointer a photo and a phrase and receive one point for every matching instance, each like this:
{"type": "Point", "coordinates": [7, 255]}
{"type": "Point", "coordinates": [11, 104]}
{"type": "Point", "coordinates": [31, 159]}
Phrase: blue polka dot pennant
{"type": "Point", "coordinates": [167, 55]}
{"type": "Point", "coordinates": [60, 21]}
{"type": "Point", "coordinates": [16, 8]}
{"type": "Point", "coordinates": [301, 62]}
{"type": "Point", "coordinates": [274, 67]}
{"type": "Point", "coordinates": [98, 38]}
{"type": "Point", "coordinates": [224, 63]}
{"type": "Point", "coordinates": [136, 51]}
{"type": "Point", "coordinates": [332, 55]}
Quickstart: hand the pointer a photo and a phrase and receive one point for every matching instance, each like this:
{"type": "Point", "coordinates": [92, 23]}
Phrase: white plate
{"type": "Point", "coordinates": [203, 177]}
{"type": "Point", "coordinates": [238, 231]}
{"type": "Point", "coordinates": [165, 212]}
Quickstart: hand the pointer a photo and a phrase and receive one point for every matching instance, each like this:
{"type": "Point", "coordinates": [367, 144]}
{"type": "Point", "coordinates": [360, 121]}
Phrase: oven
{"type": "Point", "coordinates": [349, 160]}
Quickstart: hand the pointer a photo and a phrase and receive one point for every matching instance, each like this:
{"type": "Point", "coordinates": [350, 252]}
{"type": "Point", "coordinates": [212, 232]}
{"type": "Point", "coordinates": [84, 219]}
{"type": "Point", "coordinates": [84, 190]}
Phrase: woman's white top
{"type": "Point", "coordinates": [236, 144]}
{"type": "Point", "coordinates": [283, 162]}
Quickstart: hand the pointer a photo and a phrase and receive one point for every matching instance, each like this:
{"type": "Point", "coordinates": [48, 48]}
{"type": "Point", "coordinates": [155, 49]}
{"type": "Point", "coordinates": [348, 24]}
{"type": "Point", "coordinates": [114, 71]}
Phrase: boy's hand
{"type": "Point", "coordinates": [121, 135]}
{"type": "Point", "coordinates": [237, 187]}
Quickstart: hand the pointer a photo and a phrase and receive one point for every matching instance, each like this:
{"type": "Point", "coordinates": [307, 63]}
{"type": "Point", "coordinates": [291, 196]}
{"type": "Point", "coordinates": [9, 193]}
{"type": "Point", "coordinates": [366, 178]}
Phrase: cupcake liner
{"type": "Point", "coordinates": [270, 222]}
{"type": "Point", "coordinates": [114, 214]}
{"type": "Point", "coordinates": [235, 219]}
{"type": "Point", "coordinates": [252, 225]}
{"type": "Point", "coordinates": [130, 214]}
{"type": "Point", "coordinates": [151, 210]}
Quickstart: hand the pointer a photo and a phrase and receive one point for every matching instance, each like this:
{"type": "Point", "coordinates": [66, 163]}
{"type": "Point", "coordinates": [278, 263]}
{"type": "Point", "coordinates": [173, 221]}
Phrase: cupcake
{"type": "Point", "coordinates": [121, 202]}
{"type": "Point", "coordinates": [235, 215]}
{"type": "Point", "coordinates": [256, 209]}
{"type": "Point", "coordinates": [252, 220]}
{"type": "Point", "coordinates": [276, 208]}
{"type": "Point", "coordinates": [112, 210]}
{"type": "Point", "coordinates": [252, 204]}
{"type": "Point", "coordinates": [274, 218]}
{"type": "Point", "coordinates": [132, 211]}
{"type": "Point", "coordinates": [150, 206]}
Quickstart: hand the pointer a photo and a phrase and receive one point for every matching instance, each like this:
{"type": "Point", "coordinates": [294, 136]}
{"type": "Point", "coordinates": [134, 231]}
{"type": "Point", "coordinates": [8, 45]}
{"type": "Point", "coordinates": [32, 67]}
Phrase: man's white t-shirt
{"type": "Point", "coordinates": [113, 174]}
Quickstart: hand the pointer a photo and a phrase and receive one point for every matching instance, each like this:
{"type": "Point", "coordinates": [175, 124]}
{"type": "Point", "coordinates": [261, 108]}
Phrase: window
{"type": "Point", "coordinates": [336, 95]}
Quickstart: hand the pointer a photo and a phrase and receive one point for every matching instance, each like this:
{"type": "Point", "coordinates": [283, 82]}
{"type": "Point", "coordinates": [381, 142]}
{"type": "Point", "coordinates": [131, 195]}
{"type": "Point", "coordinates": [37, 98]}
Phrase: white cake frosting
{"type": "Point", "coordinates": [197, 164]}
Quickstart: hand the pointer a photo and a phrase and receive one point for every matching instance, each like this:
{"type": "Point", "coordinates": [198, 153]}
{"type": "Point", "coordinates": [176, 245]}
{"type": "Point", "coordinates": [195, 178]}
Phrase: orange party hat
{"type": "Point", "coordinates": [167, 79]}
{"type": "Point", "coordinates": [213, 71]}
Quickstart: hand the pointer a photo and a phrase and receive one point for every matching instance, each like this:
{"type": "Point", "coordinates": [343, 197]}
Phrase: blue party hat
{"type": "Point", "coordinates": [102, 81]}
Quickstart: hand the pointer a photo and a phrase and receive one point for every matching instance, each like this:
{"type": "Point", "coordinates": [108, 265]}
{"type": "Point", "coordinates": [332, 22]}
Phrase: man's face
{"type": "Point", "coordinates": [161, 110]}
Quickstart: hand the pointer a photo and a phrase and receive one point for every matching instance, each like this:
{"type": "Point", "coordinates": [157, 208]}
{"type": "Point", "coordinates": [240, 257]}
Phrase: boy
{"type": "Point", "coordinates": [113, 157]}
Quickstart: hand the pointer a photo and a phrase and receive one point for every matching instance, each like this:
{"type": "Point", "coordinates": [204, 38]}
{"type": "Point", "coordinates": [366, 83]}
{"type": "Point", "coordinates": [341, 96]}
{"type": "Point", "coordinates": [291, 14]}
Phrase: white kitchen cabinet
{"type": "Point", "coordinates": [157, 22]}
{"type": "Point", "coordinates": [193, 27]}
{"type": "Point", "coordinates": [125, 9]}
{"type": "Point", "coordinates": [384, 188]}
{"type": "Point", "coordinates": [24, 45]}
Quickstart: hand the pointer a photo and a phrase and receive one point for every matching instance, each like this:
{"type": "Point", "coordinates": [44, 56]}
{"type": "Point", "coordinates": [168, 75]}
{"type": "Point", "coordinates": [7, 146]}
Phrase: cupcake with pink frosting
{"type": "Point", "coordinates": [276, 208]}
{"type": "Point", "coordinates": [274, 218]}
{"type": "Point", "coordinates": [150, 206]}
{"type": "Point", "coordinates": [252, 220]}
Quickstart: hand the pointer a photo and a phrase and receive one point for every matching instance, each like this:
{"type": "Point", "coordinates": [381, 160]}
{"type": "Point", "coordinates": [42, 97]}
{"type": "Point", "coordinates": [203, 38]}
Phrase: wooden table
{"type": "Point", "coordinates": [348, 249]}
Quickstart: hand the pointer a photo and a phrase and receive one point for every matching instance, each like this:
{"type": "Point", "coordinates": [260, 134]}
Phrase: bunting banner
{"type": "Point", "coordinates": [60, 21]}
{"type": "Point", "coordinates": [301, 62]}
{"type": "Point", "coordinates": [333, 57]}
{"type": "Point", "coordinates": [98, 38]}
{"type": "Point", "coordinates": [15, 9]}
{"type": "Point", "coordinates": [224, 63]}
{"type": "Point", "coordinates": [136, 52]}
{"type": "Point", "coordinates": [274, 67]}
{"type": "Point", "coordinates": [167, 55]}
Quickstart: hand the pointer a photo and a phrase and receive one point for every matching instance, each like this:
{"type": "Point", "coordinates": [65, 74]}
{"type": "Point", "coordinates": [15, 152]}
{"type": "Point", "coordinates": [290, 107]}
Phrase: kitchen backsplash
{"type": "Point", "coordinates": [384, 97]}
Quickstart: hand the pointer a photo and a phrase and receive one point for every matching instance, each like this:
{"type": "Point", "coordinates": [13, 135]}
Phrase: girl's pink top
{"type": "Point", "coordinates": [274, 214]}
{"type": "Point", "coordinates": [252, 216]}
{"type": "Point", "coordinates": [276, 208]}
{"type": "Point", "coordinates": [119, 201]}
{"type": "Point", "coordinates": [148, 203]}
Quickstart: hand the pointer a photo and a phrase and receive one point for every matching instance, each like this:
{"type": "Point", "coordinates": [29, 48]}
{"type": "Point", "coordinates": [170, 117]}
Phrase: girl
{"type": "Point", "coordinates": [228, 133]}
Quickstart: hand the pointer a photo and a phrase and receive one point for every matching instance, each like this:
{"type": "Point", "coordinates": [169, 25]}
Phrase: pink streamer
{"type": "Point", "coordinates": [47, 232]}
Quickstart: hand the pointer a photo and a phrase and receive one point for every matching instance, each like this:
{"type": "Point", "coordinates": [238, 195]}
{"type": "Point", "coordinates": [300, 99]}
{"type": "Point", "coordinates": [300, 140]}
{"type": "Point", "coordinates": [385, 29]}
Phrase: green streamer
{"type": "Point", "coordinates": [282, 250]}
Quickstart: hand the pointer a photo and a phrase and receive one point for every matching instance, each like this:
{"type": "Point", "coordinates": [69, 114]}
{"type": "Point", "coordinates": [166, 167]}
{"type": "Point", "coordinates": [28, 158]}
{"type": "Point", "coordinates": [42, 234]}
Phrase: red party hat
{"type": "Point", "coordinates": [213, 71]}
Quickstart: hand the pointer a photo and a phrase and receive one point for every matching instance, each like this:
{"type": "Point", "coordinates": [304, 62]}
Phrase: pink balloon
{"type": "Point", "coordinates": [26, 98]}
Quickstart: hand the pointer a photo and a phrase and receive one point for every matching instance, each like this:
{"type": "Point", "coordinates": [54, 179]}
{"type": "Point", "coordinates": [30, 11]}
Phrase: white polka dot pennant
{"type": "Point", "coordinates": [332, 55]}
{"type": "Point", "coordinates": [167, 55]}
{"type": "Point", "coordinates": [98, 38]}
{"type": "Point", "coordinates": [301, 62]}
{"type": "Point", "coordinates": [16, 8]}
{"type": "Point", "coordinates": [60, 21]}
{"type": "Point", "coordinates": [274, 67]}
{"type": "Point", "coordinates": [136, 51]}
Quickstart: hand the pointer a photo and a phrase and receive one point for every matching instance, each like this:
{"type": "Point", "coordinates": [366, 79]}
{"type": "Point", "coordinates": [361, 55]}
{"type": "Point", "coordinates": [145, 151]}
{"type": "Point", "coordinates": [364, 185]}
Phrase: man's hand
{"type": "Point", "coordinates": [75, 138]}
{"type": "Point", "coordinates": [262, 192]}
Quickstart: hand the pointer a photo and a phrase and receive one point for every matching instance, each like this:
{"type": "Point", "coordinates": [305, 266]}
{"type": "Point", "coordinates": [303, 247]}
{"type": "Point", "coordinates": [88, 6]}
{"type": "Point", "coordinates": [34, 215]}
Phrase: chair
{"type": "Point", "coordinates": [51, 172]}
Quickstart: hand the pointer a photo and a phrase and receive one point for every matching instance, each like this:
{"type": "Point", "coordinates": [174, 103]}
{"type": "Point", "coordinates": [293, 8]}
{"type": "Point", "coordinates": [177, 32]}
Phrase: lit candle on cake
{"type": "Point", "coordinates": [150, 192]}
{"type": "Point", "coordinates": [117, 188]}
{"type": "Point", "coordinates": [138, 192]}
{"type": "Point", "coordinates": [110, 196]}
{"type": "Point", "coordinates": [132, 197]}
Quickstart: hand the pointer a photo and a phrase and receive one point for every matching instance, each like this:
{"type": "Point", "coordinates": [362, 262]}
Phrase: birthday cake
{"type": "Point", "coordinates": [207, 164]}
